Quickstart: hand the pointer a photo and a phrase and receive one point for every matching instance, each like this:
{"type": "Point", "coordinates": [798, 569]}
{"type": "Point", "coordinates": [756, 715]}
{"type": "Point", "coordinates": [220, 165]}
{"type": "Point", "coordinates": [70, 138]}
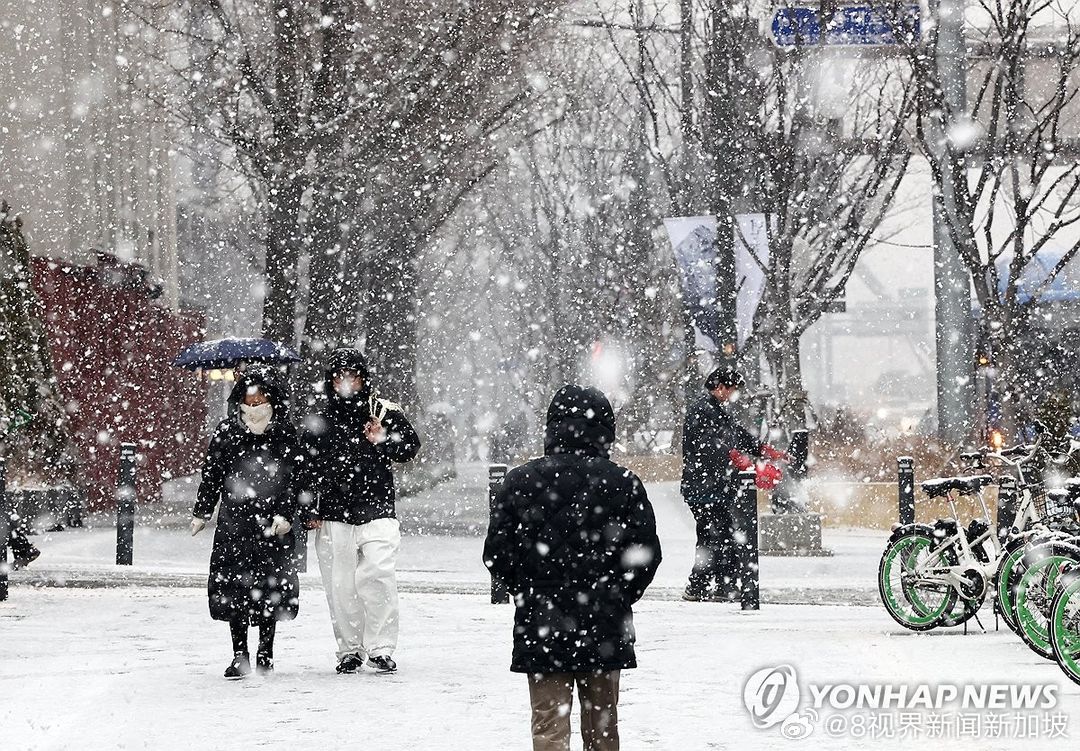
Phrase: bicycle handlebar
{"type": "Point", "coordinates": [1026, 453]}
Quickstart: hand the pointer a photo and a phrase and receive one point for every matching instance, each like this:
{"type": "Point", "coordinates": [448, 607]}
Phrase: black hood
{"type": "Point", "coordinates": [579, 421]}
{"type": "Point", "coordinates": [347, 358]}
{"type": "Point", "coordinates": [355, 407]}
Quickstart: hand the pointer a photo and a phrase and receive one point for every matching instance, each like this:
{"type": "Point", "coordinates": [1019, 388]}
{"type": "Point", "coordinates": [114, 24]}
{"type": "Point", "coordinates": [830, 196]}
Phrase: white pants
{"type": "Point", "coordinates": [357, 565]}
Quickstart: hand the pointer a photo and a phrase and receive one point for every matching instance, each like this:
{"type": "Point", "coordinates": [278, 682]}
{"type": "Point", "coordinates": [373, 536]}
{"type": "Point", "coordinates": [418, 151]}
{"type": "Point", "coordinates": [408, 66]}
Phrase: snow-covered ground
{"type": "Point", "coordinates": [130, 659]}
{"type": "Point", "coordinates": [141, 668]}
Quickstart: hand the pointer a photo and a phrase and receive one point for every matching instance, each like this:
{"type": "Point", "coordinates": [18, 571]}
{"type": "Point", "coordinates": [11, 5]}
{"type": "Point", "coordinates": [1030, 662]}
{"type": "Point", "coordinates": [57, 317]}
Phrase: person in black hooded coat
{"type": "Point", "coordinates": [574, 537]}
{"type": "Point", "coordinates": [252, 475]}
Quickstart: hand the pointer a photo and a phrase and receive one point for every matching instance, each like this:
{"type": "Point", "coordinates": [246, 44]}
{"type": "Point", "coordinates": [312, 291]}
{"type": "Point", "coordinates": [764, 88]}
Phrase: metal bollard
{"type": "Point", "coordinates": [5, 529]}
{"type": "Point", "coordinates": [744, 526]}
{"type": "Point", "coordinates": [125, 505]}
{"type": "Point", "coordinates": [798, 451]}
{"type": "Point", "coordinates": [906, 485]}
{"type": "Point", "coordinates": [1006, 506]}
{"type": "Point", "coordinates": [74, 510]}
{"type": "Point", "coordinates": [500, 593]}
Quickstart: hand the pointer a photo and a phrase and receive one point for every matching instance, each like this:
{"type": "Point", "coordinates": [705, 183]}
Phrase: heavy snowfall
{"type": "Point", "coordinates": [588, 374]}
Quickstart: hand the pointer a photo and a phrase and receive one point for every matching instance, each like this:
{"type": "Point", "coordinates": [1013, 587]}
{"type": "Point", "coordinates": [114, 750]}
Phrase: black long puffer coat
{"type": "Point", "coordinates": [574, 536]}
{"type": "Point", "coordinates": [254, 477]}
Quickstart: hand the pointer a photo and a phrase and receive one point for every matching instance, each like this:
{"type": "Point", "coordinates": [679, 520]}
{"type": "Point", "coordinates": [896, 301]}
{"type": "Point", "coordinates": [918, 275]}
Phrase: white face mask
{"type": "Point", "coordinates": [257, 419]}
{"type": "Point", "coordinates": [348, 386]}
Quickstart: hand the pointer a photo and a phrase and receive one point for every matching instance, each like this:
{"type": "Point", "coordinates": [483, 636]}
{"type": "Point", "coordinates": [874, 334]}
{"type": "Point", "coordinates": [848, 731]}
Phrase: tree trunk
{"type": "Point", "coordinates": [391, 330]}
{"type": "Point", "coordinates": [282, 256]}
{"type": "Point", "coordinates": [791, 394]}
{"type": "Point", "coordinates": [722, 144]}
{"type": "Point", "coordinates": [1008, 386]}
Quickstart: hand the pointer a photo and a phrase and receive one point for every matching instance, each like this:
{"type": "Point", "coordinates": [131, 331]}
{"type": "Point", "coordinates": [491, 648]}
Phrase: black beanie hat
{"type": "Point", "coordinates": [724, 376]}
{"type": "Point", "coordinates": [347, 358]}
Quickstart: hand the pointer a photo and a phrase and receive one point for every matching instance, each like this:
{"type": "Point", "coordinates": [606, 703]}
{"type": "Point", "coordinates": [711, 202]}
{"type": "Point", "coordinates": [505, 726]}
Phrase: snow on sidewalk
{"type": "Point", "coordinates": [141, 668]}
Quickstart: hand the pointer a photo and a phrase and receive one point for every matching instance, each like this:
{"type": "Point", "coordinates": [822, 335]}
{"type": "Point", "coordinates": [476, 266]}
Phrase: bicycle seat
{"type": "Point", "coordinates": [972, 456]}
{"type": "Point", "coordinates": [941, 486]}
{"type": "Point", "coordinates": [1017, 451]}
{"type": "Point", "coordinates": [1058, 495]}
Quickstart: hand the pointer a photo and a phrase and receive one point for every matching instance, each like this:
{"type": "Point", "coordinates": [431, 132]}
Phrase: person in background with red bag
{"type": "Point", "coordinates": [715, 448]}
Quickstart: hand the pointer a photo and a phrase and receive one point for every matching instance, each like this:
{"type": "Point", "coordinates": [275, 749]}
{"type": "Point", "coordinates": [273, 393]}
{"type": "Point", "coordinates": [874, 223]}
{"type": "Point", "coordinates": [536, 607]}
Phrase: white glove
{"type": "Point", "coordinates": [197, 525]}
{"type": "Point", "coordinates": [280, 526]}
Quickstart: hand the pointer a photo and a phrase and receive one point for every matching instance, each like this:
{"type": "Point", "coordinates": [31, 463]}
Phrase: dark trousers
{"type": "Point", "coordinates": [714, 559]}
{"type": "Point", "coordinates": [238, 630]}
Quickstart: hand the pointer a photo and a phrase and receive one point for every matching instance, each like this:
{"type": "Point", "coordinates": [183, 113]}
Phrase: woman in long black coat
{"type": "Point", "coordinates": [252, 469]}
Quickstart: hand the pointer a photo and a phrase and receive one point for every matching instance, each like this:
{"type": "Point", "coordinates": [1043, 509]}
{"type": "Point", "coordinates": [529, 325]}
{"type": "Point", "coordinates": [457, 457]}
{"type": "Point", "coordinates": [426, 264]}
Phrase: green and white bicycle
{"type": "Point", "coordinates": [1043, 568]}
{"type": "Point", "coordinates": [1065, 620]}
{"type": "Point", "coordinates": [940, 574]}
{"type": "Point", "coordinates": [1041, 575]}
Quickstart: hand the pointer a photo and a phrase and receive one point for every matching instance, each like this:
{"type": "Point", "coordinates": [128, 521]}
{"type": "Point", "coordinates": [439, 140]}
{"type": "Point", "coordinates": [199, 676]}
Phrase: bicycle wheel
{"type": "Point", "coordinates": [1035, 593]}
{"type": "Point", "coordinates": [1010, 569]}
{"type": "Point", "coordinates": [913, 603]}
{"type": "Point", "coordinates": [1065, 626]}
{"type": "Point", "coordinates": [962, 610]}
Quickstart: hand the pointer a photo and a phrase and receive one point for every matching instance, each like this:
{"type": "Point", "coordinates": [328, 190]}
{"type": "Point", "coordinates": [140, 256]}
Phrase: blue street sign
{"type": "Point", "coordinates": [850, 25]}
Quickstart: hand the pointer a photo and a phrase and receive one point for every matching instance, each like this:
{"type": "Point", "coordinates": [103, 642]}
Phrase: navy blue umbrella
{"type": "Point", "coordinates": [228, 353]}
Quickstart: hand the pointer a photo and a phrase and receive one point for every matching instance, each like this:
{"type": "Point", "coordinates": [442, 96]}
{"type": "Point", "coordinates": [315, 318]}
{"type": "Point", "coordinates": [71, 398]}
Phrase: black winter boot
{"type": "Point", "coordinates": [264, 659]}
{"type": "Point", "coordinates": [239, 667]}
{"type": "Point", "coordinates": [691, 594]}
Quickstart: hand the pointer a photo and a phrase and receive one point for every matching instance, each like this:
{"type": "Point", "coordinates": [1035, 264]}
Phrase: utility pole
{"type": "Point", "coordinates": [952, 288]}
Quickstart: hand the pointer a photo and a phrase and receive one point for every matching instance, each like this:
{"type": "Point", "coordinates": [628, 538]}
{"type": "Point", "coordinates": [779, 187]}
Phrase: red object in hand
{"type": "Point", "coordinates": [767, 476]}
{"type": "Point", "coordinates": [775, 454]}
{"type": "Point", "coordinates": [739, 460]}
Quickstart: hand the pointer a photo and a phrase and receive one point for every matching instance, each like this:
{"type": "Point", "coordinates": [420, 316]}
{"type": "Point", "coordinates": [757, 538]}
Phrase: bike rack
{"type": "Point", "coordinates": [125, 505]}
{"type": "Point", "coordinates": [1006, 505]}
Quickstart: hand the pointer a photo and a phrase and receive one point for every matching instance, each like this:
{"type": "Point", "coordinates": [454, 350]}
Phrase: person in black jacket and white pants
{"type": "Point", "coordinates": [574, 537]}
{"type": "Point", "coordinates": [350, 445]}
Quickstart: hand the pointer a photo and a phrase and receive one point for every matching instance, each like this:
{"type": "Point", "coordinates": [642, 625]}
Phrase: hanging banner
{"type": "Point", "coordinates": [751, 260]}
{"type": "Point", "coordinates": [693, 239]}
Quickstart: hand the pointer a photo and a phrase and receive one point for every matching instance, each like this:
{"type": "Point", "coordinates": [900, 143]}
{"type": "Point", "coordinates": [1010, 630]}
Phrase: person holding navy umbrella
{"type": "Point", "coordinates": [251, 474]}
